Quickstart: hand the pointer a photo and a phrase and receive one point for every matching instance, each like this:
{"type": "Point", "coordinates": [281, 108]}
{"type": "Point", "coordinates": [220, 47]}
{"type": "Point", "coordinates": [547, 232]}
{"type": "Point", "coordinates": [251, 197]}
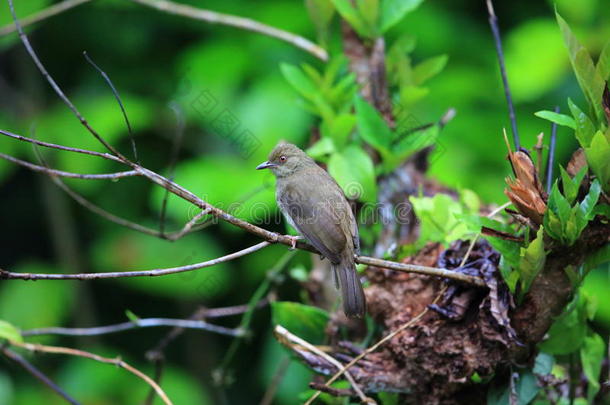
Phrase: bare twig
{"type": "Point", "coordinates": [56, 88]}
{"type": "Point", "coordinates": [278, 376]}
{"type": "Point", "coordinates": [551, 156]}
{"type": "Point", "coordinates": [117, 97]}
{"type": "Point", "coordinates": [282, 333]}
{"type": "Point", "coordinates": [173, 158]}
{"type": "Point", "coordinates": [137, 324]}
{"type": "Point", "coordinates": [247, 24]}
{"type": "Point", "coordinates": [7, 275]}
{"type": "Point", "coordinates": [81, 353]}
{"type": "Point", "coordinates": [61, 173]}
{"type": "Point", "coordinates": [43, 15]}
{"type": "Point", "coordinates": [493, 22]}
{"type": "Point", "coordinates": [376, 346]}
{"type": "Point", "coordinates": [39, 375]}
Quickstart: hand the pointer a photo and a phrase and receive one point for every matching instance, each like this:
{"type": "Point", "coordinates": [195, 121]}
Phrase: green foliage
{"type": "Point", "coordinates": [441, 219]}
{"type": "Point", "coordinates": [568, 332]}
{"type": "Point", "coordinates": [559, 119]}
{"type": "Point", "coordinates": [532, 261]}
{"type": "Point", "coordinates": [598, 157]}
{"type": "Point", "coordinates": [592, 354]}
{"type": "Point", "coordinates": [305, 321]}
{"type": "Point", "coordinates": [565, 222]}
{"type": "Point", "coordinates": [10, 332]}
{"type": "Point", "coordinates": [353, 169]}
{"type": "Point", "coordinates": [589, 79]}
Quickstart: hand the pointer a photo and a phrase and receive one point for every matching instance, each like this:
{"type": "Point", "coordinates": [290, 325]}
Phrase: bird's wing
{"type": "Point", "coordinates": [314, 218]}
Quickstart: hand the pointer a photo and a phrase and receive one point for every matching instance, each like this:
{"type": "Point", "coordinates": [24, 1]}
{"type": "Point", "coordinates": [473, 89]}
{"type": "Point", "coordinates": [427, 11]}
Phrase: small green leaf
{"type": "Point", "coordinates": [598, 158]}
{"type": "Point", "coordinates": [372, 127]}
{"type": "Point", "coordinates": [588, 203]}
{"type": "Point", "coordinates": [543, 364]}
{"type": "Point", "coordinates": [559, 119]}
{"type": "Point", "coordinates": [353, 17]}
{"type": "Point", "coordinates": [305, 321]}
{"type": "Point", "coordinates": [584, 126]}
{"type": "Point", "coordinates": [10, 332]}
{"type": "Point", "coordinates": [429, 68]}
{"type": "Point", "coordinates": [353, 169]}
{"type": "Point", "coordinates": [321, 149]}
{"type": "Point", "coordinates": [532, 261]}
{"type": "Point", "coordinates": [588, 78]}
{"type": "Point", "coordinates": [339, 129]}
{"type": "Point", "coordinates": [591, 356]}
{"type": "Point", "coordinates": [131, 316]}
{"type": "Point", "coordinates": [300, 82]}
{"type": "Point", "coordinates": [392, 11]}
{"type": "Point", "coordinates": [571, 186]}
{"type": "Point", "coordinates": [603, 63]}
{"type": "Point", "coordinates": [321, 13]}
{"type": "Point", "coordinates": [569, 330]}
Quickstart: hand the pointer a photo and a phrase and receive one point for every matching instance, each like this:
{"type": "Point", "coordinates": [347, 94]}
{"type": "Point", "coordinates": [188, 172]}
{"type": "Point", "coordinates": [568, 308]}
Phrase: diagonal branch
{"type": "Point", "coordinates": [81, 353]}
{"type": "Point", "coordinates": [7, 275]}
{"type": "Point", "coordinates": [39, 375]}
{"type": "Point", "coordinates": [48, 12]}
{"type": "Point", "coordinates": [136, 324]}
{"type": "Point", "coordinates": [247, 24]}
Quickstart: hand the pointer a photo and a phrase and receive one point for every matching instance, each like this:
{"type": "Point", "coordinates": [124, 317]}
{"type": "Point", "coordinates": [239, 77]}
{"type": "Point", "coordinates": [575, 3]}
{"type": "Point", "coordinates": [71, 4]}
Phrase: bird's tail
{"type": "Point", "coordinates": [354, 303]}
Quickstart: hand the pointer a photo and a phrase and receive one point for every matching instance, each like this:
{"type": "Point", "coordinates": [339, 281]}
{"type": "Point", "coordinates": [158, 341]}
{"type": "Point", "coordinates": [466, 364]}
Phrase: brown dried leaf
{"type": "Point", "coordinates": [577, 162]}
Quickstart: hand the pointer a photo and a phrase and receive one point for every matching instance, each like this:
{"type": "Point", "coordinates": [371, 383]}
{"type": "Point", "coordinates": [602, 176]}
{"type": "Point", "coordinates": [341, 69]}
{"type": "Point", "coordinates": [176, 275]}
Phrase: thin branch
{"type": "Point", "coordinates": [247, 24]}
{"type": "Point", "coordinates": [61, 173]}
{"type": "Point", "coordinates": [551, 157]}
{"type": "Point", "coordinates": [376, 346]}
{"type": "Point", "coordinates": [106, 156]}
{"type": "Point", "coordinates": [39, 375]}
{"type": "Point", "coordinates": [137, 324]}
{"type": "Point", "coordinates": [81, 353]}
{"type": "Point", "coordinates": [7, 275]}
{"type": "Point", "coordinates": [43, 14]}
{"type": "Point", "coordinates": [493, 22]}
{"type": "Point", "coordinates": [278, 376]}
{"type": "Point", "coordinates": [244, 324]}
{"type": "Point", "coordinates": [117, 97]}
{"type": "Point", "coordinates": [56, 88]}
{"type": "Point", "coordinates": [173, 158]}
{"type": "Point", "coordinates": [282, 333]}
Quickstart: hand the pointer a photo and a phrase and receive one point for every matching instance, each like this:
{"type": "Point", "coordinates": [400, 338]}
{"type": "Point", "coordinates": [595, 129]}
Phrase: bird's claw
{"type": "Point", "coordinates": [293, 241]}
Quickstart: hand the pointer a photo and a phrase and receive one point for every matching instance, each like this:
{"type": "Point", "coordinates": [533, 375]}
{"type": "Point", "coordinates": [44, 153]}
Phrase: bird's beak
{"type": "Point", "coordinates": [265, 165]}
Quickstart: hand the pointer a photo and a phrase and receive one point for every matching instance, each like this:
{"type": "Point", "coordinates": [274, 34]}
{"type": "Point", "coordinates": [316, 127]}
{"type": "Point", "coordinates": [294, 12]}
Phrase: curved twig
{"type": "Point", "coordinates": [81, 353]}
{"type": "Point", "coordinates": [247, 24]}
{"type": "Point", "coordinates": [137, 324]}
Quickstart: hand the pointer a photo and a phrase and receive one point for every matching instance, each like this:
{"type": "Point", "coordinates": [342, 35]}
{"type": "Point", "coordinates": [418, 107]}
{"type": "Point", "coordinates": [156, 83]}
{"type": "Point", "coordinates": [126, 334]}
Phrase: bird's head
{"type": "Point", "coordinates": [286, 159]}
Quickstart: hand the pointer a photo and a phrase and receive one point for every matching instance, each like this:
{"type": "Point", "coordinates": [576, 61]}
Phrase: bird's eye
{"type": "Point", "coordinates": [282, 158]}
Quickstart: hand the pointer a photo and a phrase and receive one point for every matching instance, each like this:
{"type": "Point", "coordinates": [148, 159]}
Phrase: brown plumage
{"type": "Point", "coordinates": [316, 207]}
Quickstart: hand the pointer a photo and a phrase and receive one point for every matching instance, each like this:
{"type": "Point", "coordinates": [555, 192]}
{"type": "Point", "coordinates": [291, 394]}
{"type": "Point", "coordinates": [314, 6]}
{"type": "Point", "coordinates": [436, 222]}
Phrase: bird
{"type": "Point", "coordinates": [314, 204]}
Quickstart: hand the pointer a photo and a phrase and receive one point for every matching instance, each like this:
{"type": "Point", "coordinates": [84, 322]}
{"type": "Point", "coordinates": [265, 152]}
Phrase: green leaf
{"type": "Point", "coordinates": [353, 169]}
{"type": "Point", "coordinates": [569, 330]}
{"type": "Point", "coordinates": [305, 321]}
{"type": "Point", "coordinates": [321, 13]}
{"type": "Point", "coordinates": [588, 78]}
{"type": "Point", "coordinates": [603, 210]}
{"type": "Point", "coordinates": [591, 356]}
{"type": "Point", "coordinates": [588, 203]}
{"type": "Point", "coordinates": [584, 126]}
{"type": "Point", "coordinates": [321, 149]}
{"type": "Point", "coordinates": [543, 364]}
{"type": "Point", "coordinates": [526, 388]}
{"type": "Point", "coordinates": [598, 158]}
{"type": "Point", "coordinates": [392, 11]}
{"type": "Point", "coordinates": [131, 316]}
{"type": "Point", "coordinates": [429, 68]}
{"type": "Point", "coordinates": [571, 186]}
{"type": "Point", "coordinates": [372, 127]}
{"type": "Point", "coordinates": [413, 142]}
{"type": "Point", "coordinates": [353, 17]}
{"type": "Point", "coordinates": [532, 261]}
{"type": "Point", "coordinates": [369, 11]}
{"type": "Point", "coordinates": [339, 129]}
{"type": "Point", "coordinates": [597, 258]}
{"type": "Point", "coordinates": [559, 119]}
{"type": "Point", "coordinates": [299, 81]}
{"type": "Point", "coordinates": [603, 63]}
{"type": "Point", "coordinates": [439, 219]}
{"type": "Point", "coordinates": [9, 332]}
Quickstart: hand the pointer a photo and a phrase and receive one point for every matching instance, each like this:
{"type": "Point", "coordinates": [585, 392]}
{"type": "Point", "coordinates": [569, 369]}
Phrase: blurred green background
{"type": "Point", "coordinates": [159, 62]}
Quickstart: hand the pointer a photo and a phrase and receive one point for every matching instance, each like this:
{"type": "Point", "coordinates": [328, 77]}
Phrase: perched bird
{"type": "Point", "coordinates": [314, 204]}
